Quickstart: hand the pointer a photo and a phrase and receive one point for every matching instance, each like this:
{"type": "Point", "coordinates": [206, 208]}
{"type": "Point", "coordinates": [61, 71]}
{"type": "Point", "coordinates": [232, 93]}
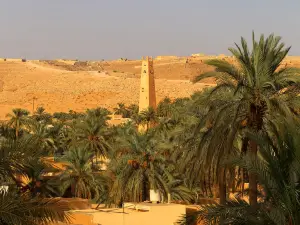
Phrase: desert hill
{"type": "Point", "coordinates": [62, 85]}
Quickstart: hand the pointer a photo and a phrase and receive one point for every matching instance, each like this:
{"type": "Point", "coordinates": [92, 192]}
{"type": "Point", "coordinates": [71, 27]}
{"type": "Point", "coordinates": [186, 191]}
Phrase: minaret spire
{"type": "Point", "coordinates": [147, 87]}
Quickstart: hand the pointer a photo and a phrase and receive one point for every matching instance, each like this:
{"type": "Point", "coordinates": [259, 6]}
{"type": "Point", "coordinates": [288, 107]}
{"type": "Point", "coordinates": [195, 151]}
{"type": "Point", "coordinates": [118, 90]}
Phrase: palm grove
{"type": "Point", "coordinates": [245, 130]}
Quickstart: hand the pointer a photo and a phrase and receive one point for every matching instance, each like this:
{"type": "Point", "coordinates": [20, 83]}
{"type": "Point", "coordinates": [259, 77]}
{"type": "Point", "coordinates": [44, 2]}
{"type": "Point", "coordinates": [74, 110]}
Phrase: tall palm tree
{"type": "Point", "coordinates": [78, 174]}
{"type": "Point", "coordinates": [18, 119]}
{"type": "Point", "coordinates": [257, 87]}
{"type": "Point", "coordinates": [277, 170]}
{"type": "Point", "coordinates": [138, 166]}
{"type": "Point", "coordinates": [92, 133]}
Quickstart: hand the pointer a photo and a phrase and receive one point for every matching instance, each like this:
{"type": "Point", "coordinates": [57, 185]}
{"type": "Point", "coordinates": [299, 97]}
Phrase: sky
{"type": "Point", "coordinates": [111, 29]}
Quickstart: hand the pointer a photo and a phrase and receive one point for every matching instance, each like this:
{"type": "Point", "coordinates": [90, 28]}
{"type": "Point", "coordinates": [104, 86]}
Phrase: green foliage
{"type": "Point", "coordinates": [20, 157]}
{"type": "Point", "coordinates": [22, 209]}
{"type": "Point", "coordinates": [78, 174]}
{"type": "Point", "coordinates": [277, 170]}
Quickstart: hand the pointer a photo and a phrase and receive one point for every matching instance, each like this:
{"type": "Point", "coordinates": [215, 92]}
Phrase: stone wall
{"type": "Point", "coordinates": [166, 57]}
{"type": "Point", "coordinates": [15, 60]}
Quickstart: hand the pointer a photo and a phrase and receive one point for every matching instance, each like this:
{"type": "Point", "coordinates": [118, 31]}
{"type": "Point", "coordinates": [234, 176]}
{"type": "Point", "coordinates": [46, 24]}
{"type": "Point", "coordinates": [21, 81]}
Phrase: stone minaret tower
{"type": "Point", "coordinates": [147, 88]}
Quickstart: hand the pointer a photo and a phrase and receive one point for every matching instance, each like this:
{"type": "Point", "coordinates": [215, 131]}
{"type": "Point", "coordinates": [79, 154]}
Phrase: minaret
{"type": "Point", "coordinates": [147, 87]}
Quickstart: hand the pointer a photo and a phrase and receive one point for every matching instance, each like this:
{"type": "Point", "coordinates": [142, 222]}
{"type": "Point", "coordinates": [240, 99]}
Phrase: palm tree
{"type": "Point", "coordinates": [18, 157]}
{"type": "Point", "coordinates": [61, 135]}
{"type": "Point", "coordinates": [41, 133]}
{"type": "Point", "coordinates": [25, 210]}
{"type": "Point", "coordinates": [18, 119]}
{"type": "Point", "coordinates": [6, 132]}
{"type": "Point", "coordinates": [121, 110]}
{"type": "Point", "coordinates": [92, 133]}
{"type": "Point", "coordinates": [62, 116]}
{"type": "Point", "coordinates": [277, 170]}
{"type": "Point", "coordinates": [133, 110]}
{"type": "Point", "coordinates": [138, 166]}
{"type": "Point", "coordinates": [148, 117]}
{"type": "Point", "coordinates": [78, 174]}
{"type": "Point", "coordinates": [164, 108]}
{"type": "Point", "coordinates": [34, 180]}
{"type": "Point", "coordinates": [253, 91]}
{"type": "Point", "coordinates": [41, 115]}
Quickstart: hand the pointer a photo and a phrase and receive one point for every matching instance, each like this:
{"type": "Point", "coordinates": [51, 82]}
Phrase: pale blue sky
{"type": "Point", "coordinates": [107, 29]}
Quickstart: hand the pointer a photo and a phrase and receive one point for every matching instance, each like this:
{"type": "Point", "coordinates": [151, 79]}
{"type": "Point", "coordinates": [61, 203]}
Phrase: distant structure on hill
{"type": "Point", "coordinates": [198, 55]}
{"type": "Point", "coordinates": [166, 57]}
{"type": "Point", "coordinates": [147, 87]}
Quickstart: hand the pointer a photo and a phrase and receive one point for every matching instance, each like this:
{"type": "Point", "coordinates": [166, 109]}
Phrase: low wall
{"type": "Point", "coordinates": [15, 60]}
{"type": "Point", "coordinates": [167, 57]}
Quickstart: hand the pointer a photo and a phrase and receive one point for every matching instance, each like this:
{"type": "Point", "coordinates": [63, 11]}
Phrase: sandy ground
{"type": "Point", "coordinates": [59, 89]}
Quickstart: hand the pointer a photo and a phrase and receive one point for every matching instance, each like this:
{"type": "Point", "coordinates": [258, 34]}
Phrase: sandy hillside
{"type": "Point", "coordinates": [61, 86]}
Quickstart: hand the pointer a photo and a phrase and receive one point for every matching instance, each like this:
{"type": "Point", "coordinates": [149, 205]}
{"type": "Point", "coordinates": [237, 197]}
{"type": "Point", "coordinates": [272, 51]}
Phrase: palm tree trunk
{"type": "Point", "coordinates": [211, 182]}
{"type": "Point", "coordinates": [244, 149]}
{"type": "Point", "coordinates": [204, 187]}
{"type": "Point", "coordinates": [17, 129]}
{"type": "Point", "coordinates": [253, 178]}
{"type": "Point", "coordinates": [222, 185]}
{"type": "Point", "coordinates": [256, 125]}
{"type": "Point", "coordinates": [73, 190]}
{"type": "Point", "coordinates": [145, 189]}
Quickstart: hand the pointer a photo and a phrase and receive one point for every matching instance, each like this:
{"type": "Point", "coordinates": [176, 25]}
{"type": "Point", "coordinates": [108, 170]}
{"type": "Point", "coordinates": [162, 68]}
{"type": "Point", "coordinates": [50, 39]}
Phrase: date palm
{"type": "Point", "coordinates": [277, 169]}
{"type": "Point", "coordinates": [92, 133]}
{"type": "Point", "coordinates": [253, 90]}
{"type": "Point", "coordinates": [17, 119]}
{"type": "Point", "coordinates": [16, 209]}
{"type": "Point", "coordinates": [148, 117]}
{"type": "Point", "coordinates": [41, 133]}
{"type": "Point", "coordinates": [16, 157]}
{"type": "Point", "coordinates": [164, 108]}
{"type": "Point", "coordinates": [133, 109]}
{"type": "Point", "coordinates": [41, 115]}
{"type": "Point", "coordinates": [121, 110]}
{"type": "Point", "coordinates": [138, 166]}
{"type": "Point", "coordinates": [78, 174]}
